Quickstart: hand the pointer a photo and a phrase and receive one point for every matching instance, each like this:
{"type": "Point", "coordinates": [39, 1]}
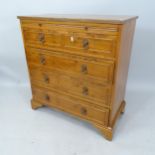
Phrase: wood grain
{"type": "Point", "coordinates": [84, 87]}
{"type": "Point", "coordinates": [70, 104]}
{"type": "Point", "coordinates": [79, 64]}
{"type": "Point", "coordinates": [122, 65]}
{"type": "Point", "coordinates": [86, 43]}
{"type": "Point", "coordinates": [117, 19]}
{"type": "Point", "coordinates": [70, 63]}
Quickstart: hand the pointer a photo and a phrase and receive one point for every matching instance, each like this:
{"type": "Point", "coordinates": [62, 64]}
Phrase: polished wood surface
{"type": "Point", "coordinates": [121, 70]}
{"type": "Point", "coordinates": [85, 88]}
{"type": "Point", "coordinates": [69, 104]}
{"type": "Point", "coordinates": [103, 70]}
{"type": "Point", "coordinates": [79, 65]}
{"type": "Point", "coordinates": [72, 40]}
{"type": "Point", "coordinates": [117, 19]}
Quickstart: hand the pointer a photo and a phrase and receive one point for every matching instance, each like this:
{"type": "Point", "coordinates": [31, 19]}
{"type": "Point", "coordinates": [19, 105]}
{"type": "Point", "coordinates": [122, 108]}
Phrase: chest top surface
{"type": "Point", "coordinates": [117, 19]}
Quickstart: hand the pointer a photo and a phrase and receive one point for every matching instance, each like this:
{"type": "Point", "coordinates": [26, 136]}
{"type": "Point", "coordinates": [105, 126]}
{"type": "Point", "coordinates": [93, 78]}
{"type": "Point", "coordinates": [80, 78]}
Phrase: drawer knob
{"type": "Point", "coordinates": [40, 24]}
{"type": "Point", "coordinates": [85, 43]}
{"type": "Point", "coordinates": [86, 28]}
{"type": "Point", "coordinates": [83, 111]}
{"type": "Point", "coordinates": [41, 37]}
{"type": "Point", "coordinates": [47, 97]}
{"type": "Point", "coordinates": [84, 68]}
{"type": "Point", "coordinates": [85, 91]}
{"type": "Point", "coordinates": [42, 60]}
{"type": "Point", "coordinates": [46, 79]}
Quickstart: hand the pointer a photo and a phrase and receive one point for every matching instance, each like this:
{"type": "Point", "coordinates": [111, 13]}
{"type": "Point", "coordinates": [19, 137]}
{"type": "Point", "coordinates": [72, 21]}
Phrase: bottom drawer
{"type": "Point", "coordinates": [70, 105]}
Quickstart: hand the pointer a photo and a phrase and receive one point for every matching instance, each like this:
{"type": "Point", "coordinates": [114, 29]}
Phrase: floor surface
{"type": "Point", "coordinates": [24, 131]}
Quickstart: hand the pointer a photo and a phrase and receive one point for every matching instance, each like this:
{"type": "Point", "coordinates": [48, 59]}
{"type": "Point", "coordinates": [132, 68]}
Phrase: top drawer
{"type": "Point", "coordinates": [93, 28]}
{"type": "Point", "coordinates": [72, 39]}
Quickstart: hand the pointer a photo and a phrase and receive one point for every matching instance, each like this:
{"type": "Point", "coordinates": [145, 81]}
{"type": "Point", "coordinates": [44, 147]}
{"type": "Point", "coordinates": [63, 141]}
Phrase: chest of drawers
{"type": "Point", "coordinates": [79, 64]}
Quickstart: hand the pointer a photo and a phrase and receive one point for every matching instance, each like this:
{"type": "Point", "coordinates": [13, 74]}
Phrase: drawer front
{"type": "Point", "coordinates": [71, 105]}
{"type": "Point", "coordinates": [99, 45]}
{"type": "Point", "coordinates": [72, 64]}
{"type": "Point", "coordinates": [86, 88]}
{"type": "Point", "coordinates": [88, 28]}
{"type": "Point", "coordinates": [73, 42]}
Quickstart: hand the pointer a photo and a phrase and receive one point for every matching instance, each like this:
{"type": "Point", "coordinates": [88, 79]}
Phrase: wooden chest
{"type": "Point", "coordinates": [79, 64]}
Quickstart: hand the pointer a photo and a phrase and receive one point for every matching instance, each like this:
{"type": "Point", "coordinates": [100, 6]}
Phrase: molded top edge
{"type": "Point", "coordinates": [115, 19]}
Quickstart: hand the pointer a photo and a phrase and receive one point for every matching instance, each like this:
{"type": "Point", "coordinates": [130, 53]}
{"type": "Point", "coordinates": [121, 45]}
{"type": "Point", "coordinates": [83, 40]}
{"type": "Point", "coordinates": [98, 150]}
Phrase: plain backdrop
{"type": "Point", "coordinates": [18, 132]}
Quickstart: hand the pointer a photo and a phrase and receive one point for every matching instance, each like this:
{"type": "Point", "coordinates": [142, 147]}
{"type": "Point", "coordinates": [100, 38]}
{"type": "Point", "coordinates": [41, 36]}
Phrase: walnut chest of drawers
{"type": "Point", "coordinates": [79, 64]}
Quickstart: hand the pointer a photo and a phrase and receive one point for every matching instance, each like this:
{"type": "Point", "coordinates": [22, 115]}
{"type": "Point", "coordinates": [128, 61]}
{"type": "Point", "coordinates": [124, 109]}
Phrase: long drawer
{"type": "Point", "coordinates": [71, 105]}
{"type": "Point", "coordinates": [100, 45]}
{"type": "Point", "coordinates": [82, 27]}
{"type": "Point", "coordinates": [84, 87]}
{"type": "Point", "coordinates": [72, 64]}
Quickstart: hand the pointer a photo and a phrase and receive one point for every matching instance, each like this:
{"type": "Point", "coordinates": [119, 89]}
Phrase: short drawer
{"type": "Point", "coordinates": [72, 64]}
{"type": "Point", "coordinates": [73, 42]}
{"type": "Point", "coordinates": [87, 88]}
{"type": "Point", "coordinates": [70, 105]}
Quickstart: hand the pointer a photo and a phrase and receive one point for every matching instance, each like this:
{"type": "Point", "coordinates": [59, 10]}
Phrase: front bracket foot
{"type": "Point", "coordinates": [107, 132]}
{"type": "Point", "coordinates": [35, 105]}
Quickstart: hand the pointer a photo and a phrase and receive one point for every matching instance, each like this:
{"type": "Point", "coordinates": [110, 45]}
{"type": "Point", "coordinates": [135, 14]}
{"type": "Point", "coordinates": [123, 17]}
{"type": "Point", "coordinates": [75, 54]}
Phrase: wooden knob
{"type": "Point", "coordinates": [47, 97]}
{"type": "Point", "coordinates": [40, 24]}
{"type": "Point", "coordinates": [85, 91]}
{"type": "Point", "coordinates": [86, 28]}
{"type": "Point", "coordinates": [85, 43]}
{"type": "Point", "coordinates": [42, 60]}
{"type": "Point", "coordinates": [41, 37]}
{"type": "Point", "coordinates": [83, 111]}
{"type": "Point", "coordinates": [46, 79]}
{"type": "Point", "coordinates": [84, 68]}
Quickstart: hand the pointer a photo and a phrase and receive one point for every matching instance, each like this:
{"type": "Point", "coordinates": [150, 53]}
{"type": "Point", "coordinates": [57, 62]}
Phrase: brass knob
{"type": "Point", "coordinates": [47, 97]}
{"type": "Point", "coordinates": [46, 79]}
{"type": "Point", "coordinates": [85, 43]}
{"type": "Point", "coordinates": [83, 111]}
{"type": "Point", "coordinates": [41, 37]}
{"type": "Point", "coordinates": [42, 60]}
{"type": "Point", "coordinates": [85, 91]}
{"type": "Point", "coordinates": [84, 68]}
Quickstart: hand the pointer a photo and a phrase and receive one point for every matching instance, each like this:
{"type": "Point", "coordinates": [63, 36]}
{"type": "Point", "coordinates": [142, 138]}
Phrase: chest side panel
{"type": "Point", "coordinates": [122, 65]}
